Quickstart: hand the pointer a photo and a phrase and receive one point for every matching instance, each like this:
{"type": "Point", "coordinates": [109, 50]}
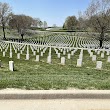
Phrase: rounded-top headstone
{"type": "Point", "coordinates": [99, 65]}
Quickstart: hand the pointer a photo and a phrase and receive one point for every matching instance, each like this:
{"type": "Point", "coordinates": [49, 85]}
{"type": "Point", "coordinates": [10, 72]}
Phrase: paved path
{"type": "Point", "coordinates": [55, 104]}
{"type": "Point", "coordinates": [54, 100]}
{"type": "Point", "coordinates": [54, 94]}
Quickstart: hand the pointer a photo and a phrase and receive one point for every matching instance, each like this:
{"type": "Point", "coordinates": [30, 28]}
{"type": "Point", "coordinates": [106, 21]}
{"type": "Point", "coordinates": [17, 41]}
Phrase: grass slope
{"type": "Point", "coordinates": [40, 75]}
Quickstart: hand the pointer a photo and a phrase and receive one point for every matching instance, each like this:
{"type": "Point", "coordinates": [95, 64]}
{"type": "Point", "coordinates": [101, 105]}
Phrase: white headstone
{"type": "Point", "coordinates": [61, 50]}
{"type": "Point", "coordinates": [49, 59]}
{"type": "Point", "coordinates": [79, 62]}
{"type": "Point", "coordinates": [38, 50]}
{"type": "Point", "coordinates": [67, 50]}
{"type": "Point", "coordinates": [63, 60]}
{"type": "Point", "coordinates": [107, 53]}
{"type": "Point", "coordinates": [91, 54]}
{"type": "Point", "coordinates": [80, 56]}
{"type": "Point", "coordinates": [49, 54]}
{"type": "Point", "coordinates": [102, 55]}
{"type": "Point", "coordinates": [11, 54]}
{"type": "Point", "coordinates": [69, 56]}
{"type": "Point", "coordinates": [95, 50]}
{"type": "Point", "coordinates": [15, 51]}
{"type": "Point", "coordinates": [98, 52]}
{"type": "Point", "coordinates": [72, 52]}
{"type": "Point", "coordinates": [94, 58]}
{"type": "Point", "coordinates": [103, 50]}
{"type": "Point", "coordinates": [4, 54]}
{"type": "Point", "coordinates": [64, 52]}
{"type": "Point", "coordinates": [99, 65]}
{"type": "Point", "coordinates": [11, 65]}
{"type": "Point", "coordinates": [27, 49]}
{"type": "Point", "coordinates": [18, 56]}
{"type": "Point", "coordinates": [5, 50]}
{"type": "Point", "coordinates": [56, 51]}
{"type": "Point", "coordinates": [37, 58]}
{"type": "Point", "coordinates": [50, 51]}
{"type": "Point", "coordinates": [27, 56]}
{"type": "Point", "coordinates": [21, 51]}
{"type": "Point", "coordinates": [44, 51]}
{"type": "Point", "coordinates": [58, 55]}
{"type": "Point", "coordinates": [41, 54]}
{"type": "Point", "coordinates": [34, 52]}
{"type": "Point", "coordinates": [108, 59]}
{"type": "Point", "coordinates": [10, 49]}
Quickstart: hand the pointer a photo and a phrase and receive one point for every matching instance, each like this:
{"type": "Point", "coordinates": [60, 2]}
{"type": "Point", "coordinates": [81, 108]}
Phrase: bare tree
{"type": "Point", "coordinates": [21, 23]}
{"type": "Point", "coordinates": [98, 16]}
{"type": "Point", "coordinates": [36, 22]}
{"type": "Point", "coordinates": [5, 15]}
{"type": "Point", "coordinates": [81, 21]}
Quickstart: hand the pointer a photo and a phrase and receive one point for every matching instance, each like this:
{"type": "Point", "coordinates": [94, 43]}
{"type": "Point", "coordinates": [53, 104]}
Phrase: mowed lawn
{"type": "Point", "coordinates": [41, 75]}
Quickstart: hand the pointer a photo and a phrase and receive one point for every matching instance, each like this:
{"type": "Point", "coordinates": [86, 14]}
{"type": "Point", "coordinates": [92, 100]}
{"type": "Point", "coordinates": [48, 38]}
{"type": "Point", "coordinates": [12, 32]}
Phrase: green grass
{"type": "Point", "coordinates": [40, 75]}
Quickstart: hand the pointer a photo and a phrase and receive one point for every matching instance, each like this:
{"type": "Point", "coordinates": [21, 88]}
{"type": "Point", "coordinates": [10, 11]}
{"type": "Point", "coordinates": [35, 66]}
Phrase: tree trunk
{"type": "Point", "coordinates": [101, 42]}
{"type": "Point", "coordinates": [22, 36]}
{"type": "Point", "coordinates": [3, 32]}
{"type": "Point", "coordinates": [101, 39]}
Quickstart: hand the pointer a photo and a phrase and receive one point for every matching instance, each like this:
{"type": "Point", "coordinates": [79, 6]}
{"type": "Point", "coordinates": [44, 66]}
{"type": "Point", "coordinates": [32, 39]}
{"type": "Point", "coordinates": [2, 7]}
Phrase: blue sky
{"type": "Point", "coordinates": [52, 11]}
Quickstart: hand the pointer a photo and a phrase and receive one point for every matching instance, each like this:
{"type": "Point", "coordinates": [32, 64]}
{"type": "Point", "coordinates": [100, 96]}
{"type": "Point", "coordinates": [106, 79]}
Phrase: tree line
{"type": "Point", "coordinates": [19, 22]}
{"type": "Point", "coordinates": [95, 19]}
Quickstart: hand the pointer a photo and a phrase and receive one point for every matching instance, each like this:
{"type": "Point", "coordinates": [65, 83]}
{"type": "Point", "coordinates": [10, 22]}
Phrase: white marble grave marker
{"type": "Point", "coordinates": [99, 65]}
{"type": "Point", "coordinates": [107, 53]}
{"type": "Point", "coordinates": [49, 59]}
{"type": "Point", "coordinates": [37, 58]}
{"type": "Point", "coordinates": [63, 60]}
{"type": "Point", "coordinates": [15, 51]}
{"type": "Point", "coordinates": [4, 54]}
{"type": "Point", "coordinates": [34, 53]}
{"type": "Point", "coordinates": [79, 62]}
{"type": "Point", "coordinates": [58, 55]}
{"type": "Point", "coordinates": [27, 49]}
{"type": "Point", "coordinates": [38, 50]}
{"type": "Point", "coordinates": [11, 54]}
{"type": "Point", "coordinates": [102, 55]}
{"type": "Point", "coordinates": [108, 59]}
{"type": "Point", "coordinates": [21, 51]}
{"type": "Point", "coordinates": [11, 65]}
{"type": "Point", "coordinates": [91, 54]}
{"type": "Point", "coordinates": [64, 52]}
{"type": "Point", "coordinates": [56, 51]}
{"type": "Point", "coordinates": [41, 54]}
{"type": "Point", "coordinates": [94, 58]}
{"type": "Point", "coordinates": [98, 52]}
{"type": "Point", "coordinates": [27, 56]}
{"type": "Point", "coordinates": [69, 56]}
{"type": "Point", "coordinates": [72, 52]}
{"type": "Point", "coordinates": [18, 56]}
{"type": "Point", "coordinates": [80, 56]}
